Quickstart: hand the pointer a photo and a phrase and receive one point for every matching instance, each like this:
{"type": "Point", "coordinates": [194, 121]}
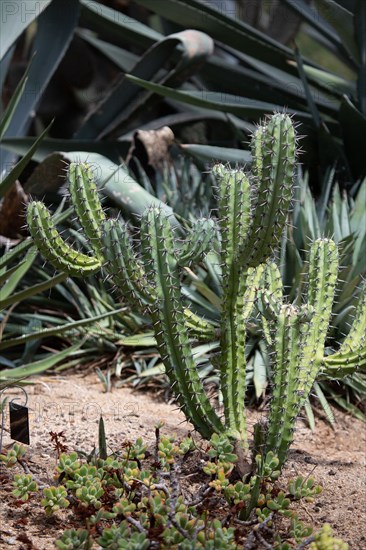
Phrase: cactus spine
{"type": "Point", "coordinates": [252, 213]}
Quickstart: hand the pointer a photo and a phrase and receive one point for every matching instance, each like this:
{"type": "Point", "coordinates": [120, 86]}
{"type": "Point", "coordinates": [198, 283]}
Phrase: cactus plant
{"type": "Point", "coordinates": [252, 214]}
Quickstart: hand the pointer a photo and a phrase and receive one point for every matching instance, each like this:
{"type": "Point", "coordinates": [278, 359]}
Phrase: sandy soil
{"type": "Point", "coordinates": [336, 457]}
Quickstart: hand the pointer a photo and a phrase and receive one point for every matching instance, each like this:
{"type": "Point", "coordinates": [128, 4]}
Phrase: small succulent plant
{"type": "Point", "coordinates": [54, 499]}
{"type": "Point", "coordinates": [134, 499]}
{"type": "Point", "coordinates": [74, 539]}
{"type": "Point", "coordinates": [24, 484]}
{"type": "Point", "coordinates": [13, 455]}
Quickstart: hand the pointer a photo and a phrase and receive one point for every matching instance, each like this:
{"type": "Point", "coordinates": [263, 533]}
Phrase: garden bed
{"type": "Point", "coordinates": [72, 404]}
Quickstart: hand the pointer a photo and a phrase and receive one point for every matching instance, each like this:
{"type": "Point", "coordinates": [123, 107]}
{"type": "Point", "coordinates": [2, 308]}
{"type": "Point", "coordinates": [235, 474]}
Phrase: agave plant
{"type": "Point", "coordinates": [217, 78]}
{"type": "Point", "coordinates": [252, 214]}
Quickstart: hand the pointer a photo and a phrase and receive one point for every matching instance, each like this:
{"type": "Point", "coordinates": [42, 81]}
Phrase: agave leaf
{"type": "Point", "coordinates": [117, 27]}
{"type": "Point", "coordinates": [102, 440]}
{"type": "Point", "coordinates": [211, 153]}
{"type": "Point", "coordinates": [13, 175]}
{"type": "Point", "coordinates": [309, 222]}
{"type": "Point", "coordinates": [155, 370]}
{"type": "Point", "coordinates": [220, 26]}
{"type": "Point", "coordinates": [309, 414]}
{"type": "Point", "coordinates": [23, 246]}
{"type": "Point", "coordinates": [311, 103]}
{"type": "Point", "coordinates": [146, 339]}
{"type": "Point", "coordinates": [259, 374]}
{"type": "Point", "coordinates": [18, 274]}
{"type": "Point", "coordinates": [5, 274]}
{"type": "Point", "coordinates": [293, 93]}
{"type": "Point", "coordinates": [360, 36]}
{"type": "Point", "coordinates": [246, 81]}
{"type": "Point", "coordinates": [358, 215]}
{"type": "Point", "coordinates": [56, 331]}
{"type": "Point", "coordinates": [324, 198]}
{"type": "Point", "coordinates": [334, 83]}
{"type": "Point", "coordinates": [190, 115]}
{"type": "Point", "coordinates": [359, 256]}
{"type": "Point", "coordinates": [342, 21]}
{"type": "Point", "coordinates": [12, 105]}
{"type": "Point", "coordinates": [5, 62]}
{"type": "Point", "coordinates": [354, 130]}
{"type": "Point", "coordinates": [123, 59]}
{"type": "Point", "coordinates": [16, 17]}
{"type": "Point", "coordinates": [5, 362]}
{"type": "Point", "coordinates": [319, 23]}
{"type": "Point", "coordinates": [117, 184]}
{"type": "Point", "coordinates": [357, 383]}
{"type": "Point", "coordinates": [240, 106]}
{"type": "Point", "coordinates": [34, 325]}
{"type": "Point", "coordinates": [324, 403]}
{"type": "Point", "coordinates": [55, 22]}
{"type": "Point", "coordinates": [38, 366]}
{"type": "Point", "coordinates": [346, 405]}
{"type": "Point", "coordinates": [32, 290]}
{"type": "Point", "coordinates": [200, 285]}
{"type": "Point", "coordinates": [113, 149]}
{"type": "Point", "coordinates": [344, 217]}
{"type": "Point", "coordinates": [127, 99]}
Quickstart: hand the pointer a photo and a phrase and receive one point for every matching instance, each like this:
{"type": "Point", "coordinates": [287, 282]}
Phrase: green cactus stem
{"type": "Point", "coordinates": [86, 201]}
{"type": "Point", "coordinates": [274, 157]}
{"type": "Point", "coordinates": [287, 342]}
{"type": "Point", "coordinates": [234, 220]}
{"type": "Point", "coordinates": [51, 245]}
{"type": "Point", "coordinates": [252, 216]}
{"type": "Point", "coordinates": [322, 279]}
{"type": "Point", "coordinates": [195, 246]}
{"type": "Point", "coordinates": [162, 269]}
{"type": "Point", "coordinates": [126, 269]}
{"type": "Point", "coordinates": [297, 344]}
{"type": "Point", "coordinates": [352, 353]}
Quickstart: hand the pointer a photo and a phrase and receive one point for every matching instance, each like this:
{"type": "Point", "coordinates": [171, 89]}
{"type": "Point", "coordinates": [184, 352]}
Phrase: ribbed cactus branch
{"type": "Point", "coordinates": [122, 263]}
{"type": "Point", "coordinates": [167, 311]}
{"type": "Point", "coordinates": [352, 353]}
{"type": "Point", "coordinates": [273, 281]}
{"type": "Point", "coordinates": [251, 223]}
{"type": "Point", "coordinates": [86, 201]}
{"type": "Point", "coordinates": [270, 297]}
{"type": "Point", "coordinates": [322, 279]}
{"type": "Point", "coordinates": [297, 344]}
{"type": "Point", "coordinates": [53, 247]}
{"type": "Point", "coordinates": [234, 220]}
{"type": "Point", "coordinates": [256, 147]}
{"type": "Point", "coordinates": [274, 155]}
{"type": "Point", "coordinates": [285, 403]}
{"type": "Point", "coordinates": [233, 210]}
